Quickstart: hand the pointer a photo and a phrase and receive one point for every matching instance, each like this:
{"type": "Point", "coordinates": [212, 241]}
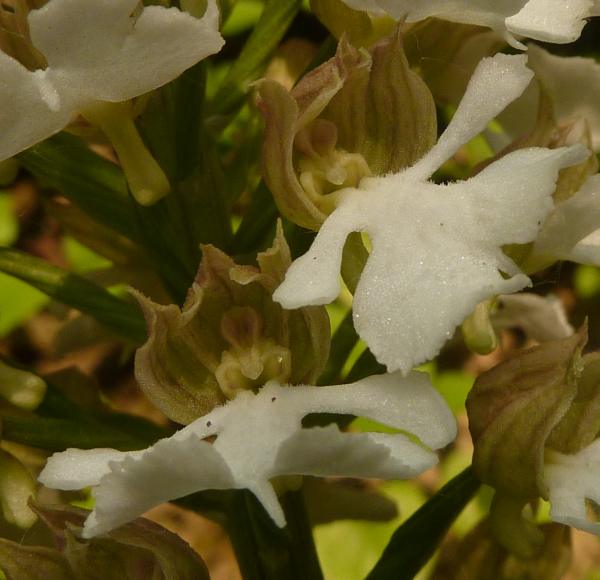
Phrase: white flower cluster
{"type": "Point", "coordinates": [436, 252]}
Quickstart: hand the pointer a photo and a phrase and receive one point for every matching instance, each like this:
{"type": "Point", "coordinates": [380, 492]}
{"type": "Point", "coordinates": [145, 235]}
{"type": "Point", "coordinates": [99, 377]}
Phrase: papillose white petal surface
{"type": "Point", "coordinates": [259, 437]}
{"type": "Point", "coordinates": [30, 110]}
{"type": "Point", "coordinates": [436, 249]}
{"type": "Point", "coordinates": [571, 479]}
{"type": "Point", "coordinates": [96, 51]}
{"type": "Point", "coordinates": [546, 20]}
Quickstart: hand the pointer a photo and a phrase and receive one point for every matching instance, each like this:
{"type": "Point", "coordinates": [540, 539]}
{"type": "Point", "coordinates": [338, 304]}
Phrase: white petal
{"type": "Point", "coordinates": [314, 277]}
{"type": "Point", "coordinates": [573, 84]}
{"type": "Point", "coordinates": [97, 51]}
{"type": "Point", "coordinates": [547, 20]}
{"type": "Point", "coordinates": [541, 318]}
{"type": "Point", "coordinates": [492, 197]}
{"type": "Point", "coordinates": [265, 493]}
{"type": "Point", "coordinates": [408, 403]}
{"type": "Point", "coordinates": [412, 295]}
{"type": "Point", "coordinates": [490, 13]}
{"type": "Point", "coordinates": [571, 479]}
{"type": "Point", "coordinates": [26, 116]}
{"type": "Point", "coordinates": [79, 468]}
{"type": "Point", "coordinates": [325, 451]}
{"type": "Point", "coordinates": [436, 251]}
{"type": "Point", "coordinates": [550, 21]}
{"type": "Point", "coordinates": [571, 222]}
{"type": "Point", "coordinates": [496, 82]}
{"type": "Point", "coordinates": [168, 470]}
{"type": "Point", "coordinates": [587, 251]}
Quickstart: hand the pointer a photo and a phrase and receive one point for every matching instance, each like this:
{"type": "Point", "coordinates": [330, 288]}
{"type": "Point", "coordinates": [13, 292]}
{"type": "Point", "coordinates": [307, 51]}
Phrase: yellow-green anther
{"type": "Point", "coordinates": [146, 179]}
{"type": "Point", "coordinates": [21, 388]}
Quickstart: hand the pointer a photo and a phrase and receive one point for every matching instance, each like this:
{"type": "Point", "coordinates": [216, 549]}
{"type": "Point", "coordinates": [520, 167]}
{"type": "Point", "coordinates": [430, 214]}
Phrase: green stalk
{"type": "Point", "coordinates": [264, 551]}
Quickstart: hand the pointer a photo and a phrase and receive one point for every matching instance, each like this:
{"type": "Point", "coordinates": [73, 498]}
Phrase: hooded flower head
{"type": "Point", "coordinates": [535, 420]}
{"type": "Point", "coordinates": [546, 20]}
{"type": "Point", "coordinates": [229, 336]}
{"type": "Point", "coordinates": [436, 249]}
{"type": "Point", "coordinates": [258, 437]}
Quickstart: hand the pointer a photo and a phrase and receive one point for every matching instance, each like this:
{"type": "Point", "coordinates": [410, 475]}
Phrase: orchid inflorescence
{"type": "Point", "coordinates": [428, 242]}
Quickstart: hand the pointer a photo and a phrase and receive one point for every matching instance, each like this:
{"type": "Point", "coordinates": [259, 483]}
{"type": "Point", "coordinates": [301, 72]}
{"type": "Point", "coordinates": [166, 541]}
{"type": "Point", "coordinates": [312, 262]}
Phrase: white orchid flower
{"type": "Point", "coordinates": [545, 20]}
{"type": "Point", "coordinates": [571, 480]}
{"type": "Point", "coordinates": [436, 248]}
{"type": "Point", "coordinates": [259, 437]}
{"type": "Point", "coordinates": [98, 51]}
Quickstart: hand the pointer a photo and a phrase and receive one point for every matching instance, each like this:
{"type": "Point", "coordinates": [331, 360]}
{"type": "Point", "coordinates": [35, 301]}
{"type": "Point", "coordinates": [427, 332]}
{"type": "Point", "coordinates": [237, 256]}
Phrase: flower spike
{"type": "Point", "coordinates": [259, 437]}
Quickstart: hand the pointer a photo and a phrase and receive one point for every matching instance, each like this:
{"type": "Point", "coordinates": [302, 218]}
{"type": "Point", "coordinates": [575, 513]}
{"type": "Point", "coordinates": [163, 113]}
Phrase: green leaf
{"type": "Point", "coordinates": [268, 32]}
{"type": "Point", "coordinates": [196, 211]}
{"type": "Point", "coordinates": [258, 226]}
{"type": "Point", "coordinates": [121, 317]}
{"type": "Point", "coordinates": [60, 434]}
{"type": "Point", "coordinates": [365, 365]}
{"type": "Point", "coordinates": [416, 540]}
{"type": "Point", "coordinates": [19, 302]}
{"type": "Point", "coordinates": [342, 343]}
{"type": "Point", "coordinates": [9, 225]}
{"type": "Point", "coordinates": [245, 15]}
{"type": "Point", "coordinates": [64, 162]}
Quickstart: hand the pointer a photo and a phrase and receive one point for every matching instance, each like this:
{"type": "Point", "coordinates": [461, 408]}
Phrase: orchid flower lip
{"type": "Point", "coordinates": [436, 249]}
{"type": "Point", "coordinates": [259, 437]}
{"type": "Point", "coordinates": [96, 52]}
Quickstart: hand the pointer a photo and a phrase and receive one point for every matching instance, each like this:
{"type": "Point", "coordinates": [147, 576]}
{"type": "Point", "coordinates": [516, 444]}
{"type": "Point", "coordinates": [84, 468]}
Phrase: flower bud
{"type": "Point", "coordinates": [229, 336]}
{"type": "Point", "coordinates": [16, 487]}
{"type": "Point", "coordinates": [21, 388]}
{"type": "Point", "coordinates": [334, 127]}
{"type": "Point", "coordinates": [513, 410]}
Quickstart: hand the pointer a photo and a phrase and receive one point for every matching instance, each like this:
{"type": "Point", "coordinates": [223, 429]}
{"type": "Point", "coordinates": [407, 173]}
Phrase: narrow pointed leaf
{"type": "Point", "coordinates": [96, 185]}
{"type": "Point", "coordinates": [121, 317]}
{"type": "Point", "coordinates": [415, 541]}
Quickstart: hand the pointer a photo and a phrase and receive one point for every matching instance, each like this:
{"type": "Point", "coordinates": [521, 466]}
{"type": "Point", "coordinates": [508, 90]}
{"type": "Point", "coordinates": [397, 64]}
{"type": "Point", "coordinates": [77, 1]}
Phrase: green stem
{"type": "Point", "coordinates": [266, 552]}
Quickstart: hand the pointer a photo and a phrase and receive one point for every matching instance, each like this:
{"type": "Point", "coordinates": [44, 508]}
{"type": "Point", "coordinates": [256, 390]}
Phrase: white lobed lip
{"type": "Point", "coordinates": [259, 437]}
{"type": "Point", "coordinates": [437, 249]}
